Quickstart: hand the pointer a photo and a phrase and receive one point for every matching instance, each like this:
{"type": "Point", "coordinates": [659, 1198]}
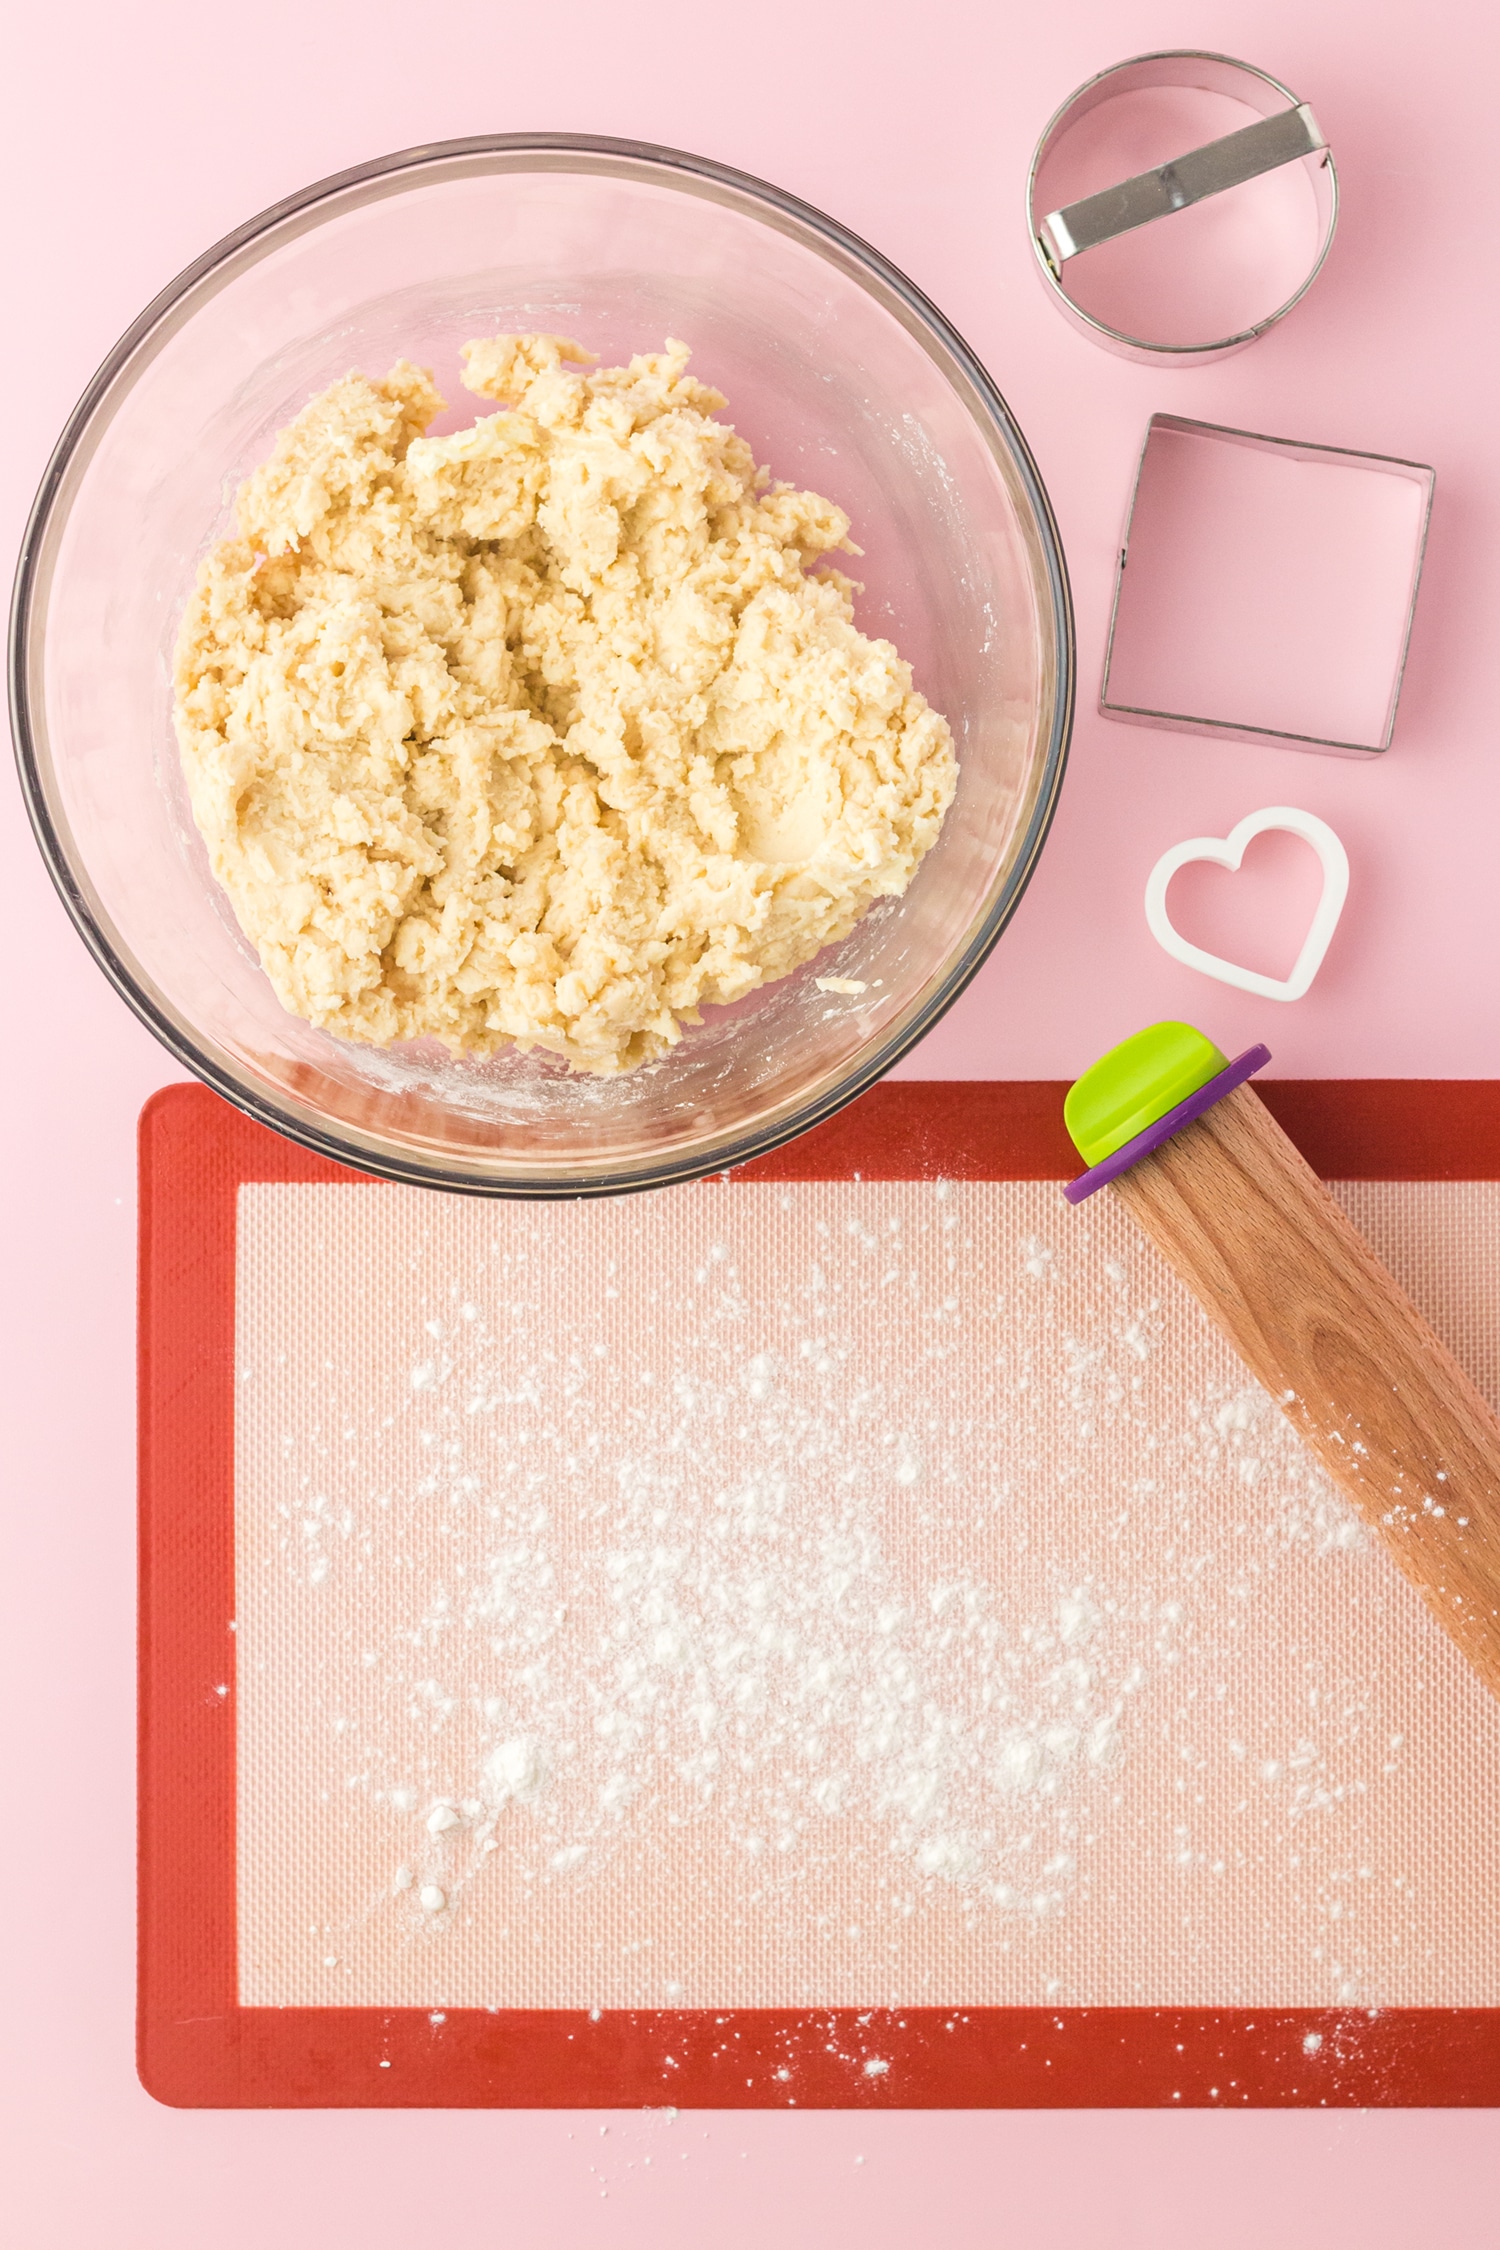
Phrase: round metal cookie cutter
{"type": "Point", "coordinates": [1288, 133]}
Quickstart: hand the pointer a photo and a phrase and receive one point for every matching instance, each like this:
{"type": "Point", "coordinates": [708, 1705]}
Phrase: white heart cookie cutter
{"type": "Point", "coordinates": [1228, 851]}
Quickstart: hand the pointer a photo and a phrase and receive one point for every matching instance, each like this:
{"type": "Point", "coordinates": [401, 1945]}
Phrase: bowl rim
{"type": "Point", "coordinates": [409, 1167]}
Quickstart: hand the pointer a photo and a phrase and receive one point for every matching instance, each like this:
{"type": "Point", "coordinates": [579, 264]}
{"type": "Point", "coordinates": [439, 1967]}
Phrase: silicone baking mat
{"type": "Point", "coordinates": [849, 1633]}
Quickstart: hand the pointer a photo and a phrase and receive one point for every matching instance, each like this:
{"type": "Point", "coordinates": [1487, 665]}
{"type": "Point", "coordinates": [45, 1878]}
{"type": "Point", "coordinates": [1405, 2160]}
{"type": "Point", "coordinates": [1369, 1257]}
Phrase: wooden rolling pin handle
{"type": "Point", "coordinates": [1391, 1416]}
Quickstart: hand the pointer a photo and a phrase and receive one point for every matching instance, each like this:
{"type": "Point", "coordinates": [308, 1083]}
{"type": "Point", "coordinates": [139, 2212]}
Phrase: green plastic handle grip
{"type": "Point", "coordinates": [1128, 1089]}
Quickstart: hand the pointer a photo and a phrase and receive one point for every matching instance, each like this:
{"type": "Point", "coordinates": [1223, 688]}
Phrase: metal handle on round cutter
{"type": "Point", "coordinates": [1262, 147]}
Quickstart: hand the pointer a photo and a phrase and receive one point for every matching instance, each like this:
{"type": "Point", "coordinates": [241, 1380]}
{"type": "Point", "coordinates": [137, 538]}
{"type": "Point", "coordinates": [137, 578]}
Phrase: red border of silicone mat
{"type": "Point", "coordinates": [199, 2048]}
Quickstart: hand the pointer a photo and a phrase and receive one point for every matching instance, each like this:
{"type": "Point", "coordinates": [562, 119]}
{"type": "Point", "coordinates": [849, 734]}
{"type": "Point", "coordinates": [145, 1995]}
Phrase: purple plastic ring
{"type": "Point", "coordinates": [1110, 1167]}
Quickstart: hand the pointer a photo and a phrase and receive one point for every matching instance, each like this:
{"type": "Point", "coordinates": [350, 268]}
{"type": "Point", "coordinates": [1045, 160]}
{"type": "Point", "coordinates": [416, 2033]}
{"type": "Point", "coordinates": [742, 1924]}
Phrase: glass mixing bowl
{"type": "Point", "coordinates": [841, 376]}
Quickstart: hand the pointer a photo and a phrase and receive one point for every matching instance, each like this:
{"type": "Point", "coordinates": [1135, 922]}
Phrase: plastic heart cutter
{"type": "Point", "coordinates": [1228, 851]}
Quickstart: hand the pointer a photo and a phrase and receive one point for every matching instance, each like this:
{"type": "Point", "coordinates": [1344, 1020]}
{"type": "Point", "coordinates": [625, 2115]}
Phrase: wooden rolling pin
{"type": "Point", "coordinates": [1209, 1176]}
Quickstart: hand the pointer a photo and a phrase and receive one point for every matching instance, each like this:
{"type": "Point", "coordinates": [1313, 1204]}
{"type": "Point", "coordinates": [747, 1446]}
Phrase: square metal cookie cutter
{"type": "Point", "coordinates": [1240, 730]}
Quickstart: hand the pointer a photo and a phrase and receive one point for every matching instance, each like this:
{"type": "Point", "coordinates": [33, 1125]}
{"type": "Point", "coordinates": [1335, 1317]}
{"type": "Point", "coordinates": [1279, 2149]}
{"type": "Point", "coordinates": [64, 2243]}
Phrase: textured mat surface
{"type": "Point", "coordinates": [858, 1637]}
{"type": "Point", "coordinates": [831, 1594]}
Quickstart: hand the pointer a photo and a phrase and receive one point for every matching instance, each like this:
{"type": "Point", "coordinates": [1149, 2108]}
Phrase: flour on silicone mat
{"type": "Point", "coordinates": [750, 1585]}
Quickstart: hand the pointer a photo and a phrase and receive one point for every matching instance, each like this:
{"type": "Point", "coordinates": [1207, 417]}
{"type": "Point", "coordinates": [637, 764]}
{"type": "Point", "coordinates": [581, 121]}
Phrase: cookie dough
{"type": "Point", "coordinates": [546, 731]}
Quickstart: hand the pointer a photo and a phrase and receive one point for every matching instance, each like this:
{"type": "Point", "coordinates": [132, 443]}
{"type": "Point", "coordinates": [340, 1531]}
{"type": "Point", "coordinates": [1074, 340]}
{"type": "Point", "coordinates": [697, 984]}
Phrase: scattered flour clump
{"type": "Point", "coordinates": [513, 1769]}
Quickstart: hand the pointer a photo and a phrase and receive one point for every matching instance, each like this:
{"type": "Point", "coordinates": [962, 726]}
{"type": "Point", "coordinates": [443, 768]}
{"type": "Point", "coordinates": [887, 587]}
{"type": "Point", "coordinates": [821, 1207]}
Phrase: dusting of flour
{"type": "Point", "coordinates": [833, 1594]}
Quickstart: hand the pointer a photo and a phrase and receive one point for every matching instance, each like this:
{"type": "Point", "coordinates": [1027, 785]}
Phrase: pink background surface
{"type": "Point", "coordinates": [138, 136]}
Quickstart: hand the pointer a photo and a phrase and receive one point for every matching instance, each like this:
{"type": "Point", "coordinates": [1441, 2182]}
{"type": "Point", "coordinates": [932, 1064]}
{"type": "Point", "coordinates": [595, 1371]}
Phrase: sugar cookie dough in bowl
{"type": "Point", "coordinates": [548, 732]}
{"type": "Point", "coordinates": [581, 784]}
